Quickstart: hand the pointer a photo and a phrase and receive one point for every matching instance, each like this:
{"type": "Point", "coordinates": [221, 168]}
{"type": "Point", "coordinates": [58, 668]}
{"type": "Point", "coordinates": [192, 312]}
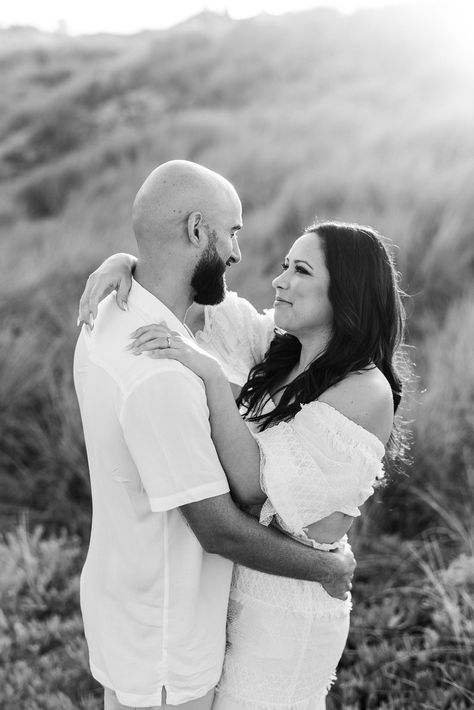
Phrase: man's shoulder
{"type": "Point", "coordinates": [106, 348]}
{"type": "Point", "coordinates": [165, 388]}
{"type": "Point", "coordinates": [161, 375]}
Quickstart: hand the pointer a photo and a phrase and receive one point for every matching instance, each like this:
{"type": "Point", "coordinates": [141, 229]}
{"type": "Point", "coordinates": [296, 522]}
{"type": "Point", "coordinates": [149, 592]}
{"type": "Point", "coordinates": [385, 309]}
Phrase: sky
{"type": "Point", "coordinates": [90, 16]}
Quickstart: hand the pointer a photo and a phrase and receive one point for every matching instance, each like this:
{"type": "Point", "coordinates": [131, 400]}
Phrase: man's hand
{"type": "Point", "coordinates": [342, 564]}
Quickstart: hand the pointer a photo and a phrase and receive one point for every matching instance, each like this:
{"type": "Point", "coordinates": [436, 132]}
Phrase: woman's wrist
{"type": "Point", "coordinates": [214, 375]}
{"type": "Point", "coordinates": [122, 260]}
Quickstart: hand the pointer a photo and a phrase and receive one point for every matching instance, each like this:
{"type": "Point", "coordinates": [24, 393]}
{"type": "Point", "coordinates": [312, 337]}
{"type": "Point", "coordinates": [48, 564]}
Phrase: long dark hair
{"type": "Point", "coordinates": [367, 329]}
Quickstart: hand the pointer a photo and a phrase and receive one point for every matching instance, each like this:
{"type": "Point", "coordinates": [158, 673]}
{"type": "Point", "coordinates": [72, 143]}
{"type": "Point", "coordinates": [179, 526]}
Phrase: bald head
{"type": "Point", "coordinates": [173, 192]}
{"type": "Point", "coordinates": [185, 219]}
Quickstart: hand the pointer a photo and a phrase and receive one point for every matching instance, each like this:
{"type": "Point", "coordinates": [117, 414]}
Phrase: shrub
{"type": "Point", "coordinates": [44, 655]}
{"type": "Point", "coordinates": [445, 420]}
{"type": "Point", "coordinates": [59, 132]}
{"type": "Point", "coordinates": [410, 644]}
{"type": "Point", "coordinates": [47, 192]}
{"type": "Point", "coordinates": [411, 639]}
{"type": "Point", "coordinates": [42, 458]}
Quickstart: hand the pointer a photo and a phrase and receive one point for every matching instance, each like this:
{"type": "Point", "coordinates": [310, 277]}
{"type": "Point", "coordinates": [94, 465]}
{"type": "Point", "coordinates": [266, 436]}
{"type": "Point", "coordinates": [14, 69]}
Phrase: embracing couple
{"type": "Point", "coordinates": [229, 459]}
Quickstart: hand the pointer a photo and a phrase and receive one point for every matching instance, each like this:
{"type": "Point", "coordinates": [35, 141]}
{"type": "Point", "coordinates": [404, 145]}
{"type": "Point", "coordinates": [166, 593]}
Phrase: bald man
{"type": "Point", "coordinates": [155, 584]}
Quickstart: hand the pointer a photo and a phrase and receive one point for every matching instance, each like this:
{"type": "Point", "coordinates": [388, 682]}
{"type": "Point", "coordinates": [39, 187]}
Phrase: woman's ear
{"type": "Point", "coordinates": [194, 228]}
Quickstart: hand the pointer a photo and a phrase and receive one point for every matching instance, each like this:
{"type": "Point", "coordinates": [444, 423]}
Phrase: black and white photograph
{"type": "Point", "coordinates": [237, 355]}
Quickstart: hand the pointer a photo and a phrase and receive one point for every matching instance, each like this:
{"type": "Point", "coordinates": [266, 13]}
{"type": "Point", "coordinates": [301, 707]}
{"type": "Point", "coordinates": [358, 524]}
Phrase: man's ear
{"type": "Point", "coordinates": [195, 228]}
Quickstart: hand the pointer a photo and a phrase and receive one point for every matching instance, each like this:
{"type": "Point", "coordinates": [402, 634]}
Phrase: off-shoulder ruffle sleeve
{"type": "Point", "coordinates": [237, 334]}
{"type": "Point", "coordinates": [319, 463]}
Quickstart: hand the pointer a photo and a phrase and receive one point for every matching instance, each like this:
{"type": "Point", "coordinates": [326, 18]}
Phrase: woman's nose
{"type": "Point", "coordinates": [279, 281]}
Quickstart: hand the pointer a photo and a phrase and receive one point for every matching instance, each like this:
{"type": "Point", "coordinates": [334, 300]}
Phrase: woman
{"type": "Point", "coordinates": [317, 412]}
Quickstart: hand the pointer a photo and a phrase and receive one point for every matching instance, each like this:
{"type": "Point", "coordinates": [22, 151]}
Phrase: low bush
{"type": "Point", "coordinates": [44, 662]}
{"type": "Point", "coordinates": [46, 193]}
{"type": "Point", "coordinates": [411, 640]}
{"type": "Point", "coordinates": [410, 645]}
{"type": "Point", "coordinates": [42, 458]}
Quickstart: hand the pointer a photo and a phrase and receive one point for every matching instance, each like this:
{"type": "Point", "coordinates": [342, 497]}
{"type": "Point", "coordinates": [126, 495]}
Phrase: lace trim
{"type": "Point", "coordinates": [300, 489]}
{"type": "Point", "coordinates": [236, 334]}
{"type": "Point", "coordinates": [290, 459]}
{"type": "Point", "coordinates": [346, 432]}
{"type": "Point", "coordinates": [220, 317]}
{"type": "Point", "coordinates": [306, 704]}
{"type": "Point", "coordinates": [274, 658]}
{"type": "Point", "coordinates": [322, 607]}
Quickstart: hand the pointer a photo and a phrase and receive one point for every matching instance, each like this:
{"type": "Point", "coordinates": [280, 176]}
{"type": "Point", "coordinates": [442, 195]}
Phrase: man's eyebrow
{"type": "Point", "coordinates": [302, 261]}
{"type": "Point", "coordinates": [236, 228]}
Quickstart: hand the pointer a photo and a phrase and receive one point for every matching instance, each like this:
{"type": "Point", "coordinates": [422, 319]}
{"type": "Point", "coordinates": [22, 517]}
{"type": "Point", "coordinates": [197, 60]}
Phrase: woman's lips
{"type": "Point", "coordinates": [280, 302]}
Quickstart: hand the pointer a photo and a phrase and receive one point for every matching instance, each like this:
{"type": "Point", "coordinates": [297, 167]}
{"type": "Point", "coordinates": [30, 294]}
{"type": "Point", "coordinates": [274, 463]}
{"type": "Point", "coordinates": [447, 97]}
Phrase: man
{"type": "Point", "coordinates": [155, 584]}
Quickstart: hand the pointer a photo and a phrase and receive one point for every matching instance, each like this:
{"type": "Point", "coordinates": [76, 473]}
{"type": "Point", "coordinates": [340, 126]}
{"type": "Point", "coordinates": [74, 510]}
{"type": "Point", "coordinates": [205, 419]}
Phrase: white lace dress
{"type": "Point", "coordinates": [285, 636]}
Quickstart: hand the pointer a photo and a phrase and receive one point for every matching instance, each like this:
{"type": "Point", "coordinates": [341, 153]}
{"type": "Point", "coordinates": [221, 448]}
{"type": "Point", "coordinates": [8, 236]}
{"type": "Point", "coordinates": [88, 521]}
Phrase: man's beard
{"type": "Point", "coordinates": [208, 281]}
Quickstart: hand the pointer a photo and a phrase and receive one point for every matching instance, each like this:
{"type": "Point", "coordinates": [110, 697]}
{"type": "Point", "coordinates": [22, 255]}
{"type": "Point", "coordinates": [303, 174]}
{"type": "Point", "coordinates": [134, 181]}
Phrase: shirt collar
{"type": "Point", "coordinates": [152, 308]}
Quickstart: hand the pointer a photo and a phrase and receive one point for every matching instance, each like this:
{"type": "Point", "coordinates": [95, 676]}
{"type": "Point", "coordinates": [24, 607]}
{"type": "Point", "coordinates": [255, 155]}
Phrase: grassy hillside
{"type": "Point", "coordinates": [366, 118]}
{"type": "Point", "coordinates": [410, 644]}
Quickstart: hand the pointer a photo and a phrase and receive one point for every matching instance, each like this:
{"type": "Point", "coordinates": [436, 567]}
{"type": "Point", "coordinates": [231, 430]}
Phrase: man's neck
{"type": "Point", "coordinates": [166, 287]}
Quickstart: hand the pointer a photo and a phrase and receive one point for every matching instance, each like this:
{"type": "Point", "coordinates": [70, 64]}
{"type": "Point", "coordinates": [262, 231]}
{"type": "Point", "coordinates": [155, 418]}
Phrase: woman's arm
{"type": "Point", "coordinates": [238, 451]}
{"type": "Point", "coordinates": [114, 273]}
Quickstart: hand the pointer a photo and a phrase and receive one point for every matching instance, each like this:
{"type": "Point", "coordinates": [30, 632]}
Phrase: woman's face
{"type": "Point", "coordinates": [302, 304]}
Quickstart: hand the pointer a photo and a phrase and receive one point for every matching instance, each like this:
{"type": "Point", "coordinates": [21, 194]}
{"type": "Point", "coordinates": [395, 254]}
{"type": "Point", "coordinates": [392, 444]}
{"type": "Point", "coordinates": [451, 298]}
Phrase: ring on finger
{"type": "Point", "coordinates": [168, 341]}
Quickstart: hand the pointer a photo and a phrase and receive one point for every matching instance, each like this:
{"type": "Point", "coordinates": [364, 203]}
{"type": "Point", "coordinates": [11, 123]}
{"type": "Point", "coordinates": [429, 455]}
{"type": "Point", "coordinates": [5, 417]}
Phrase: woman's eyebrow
{"type": "Point", "coordinates": [302, 261]}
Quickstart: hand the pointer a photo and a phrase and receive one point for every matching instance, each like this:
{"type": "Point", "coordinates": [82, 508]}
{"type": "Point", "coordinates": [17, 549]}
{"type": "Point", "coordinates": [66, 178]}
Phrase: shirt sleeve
{"type": "Point", "coordinates": [165, 422]}
{"type": "Point", "coordinates": [319, 463]}
{"type": "Point", "coordinates": [237, 334]}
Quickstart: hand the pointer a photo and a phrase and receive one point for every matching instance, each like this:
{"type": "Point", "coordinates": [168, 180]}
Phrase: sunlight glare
{"type": "Point", "coordinates": [456, 21]}
{"type": "Point", "coordinates": [90, 16]}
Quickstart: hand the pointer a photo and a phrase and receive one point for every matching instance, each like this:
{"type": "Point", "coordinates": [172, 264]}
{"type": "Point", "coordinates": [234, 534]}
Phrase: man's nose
{"type": "Point", "coordinates": [236, 256]}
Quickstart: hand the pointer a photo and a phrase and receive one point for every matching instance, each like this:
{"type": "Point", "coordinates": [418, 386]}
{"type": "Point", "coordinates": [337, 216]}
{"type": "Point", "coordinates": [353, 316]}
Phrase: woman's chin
{"type": "Point", "coordinates": [282, 323]}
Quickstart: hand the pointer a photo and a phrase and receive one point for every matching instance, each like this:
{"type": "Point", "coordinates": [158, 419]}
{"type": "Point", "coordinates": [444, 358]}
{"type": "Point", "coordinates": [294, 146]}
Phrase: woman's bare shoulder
{"type": "Point", "coordinates": [366, 398]}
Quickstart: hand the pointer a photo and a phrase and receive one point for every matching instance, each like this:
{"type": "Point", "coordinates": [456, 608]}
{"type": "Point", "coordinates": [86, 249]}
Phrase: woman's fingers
{"type": "Point", "coordinates": [155, 344]}
{"type": "Point", "coordinates": [149, 335]}
{"type": "Point", "coordinates": [166, 354]}
{"type": "Point", "coordinates": [98, 286]}
{"type": "Point", "coordinates": [90, 299]}
{"type": "Point", "coordinates": [84, 308]}
{"type": "Point", "coordinates": [156, 327]}
{"type": "Point", "coordinates": [123, 290]}
{"type": "Point", "coordinates": [147, 330]}
{"type": "Point", "coordinates": [97, 293]}
{"type": "Point", "coordinates": [154, 337]}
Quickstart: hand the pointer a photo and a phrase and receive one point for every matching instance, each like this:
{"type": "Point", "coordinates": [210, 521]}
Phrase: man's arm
{"type": "Point", "coordinates": [165, 421]}
{"type": "Point", "coordinates": [223, 529]}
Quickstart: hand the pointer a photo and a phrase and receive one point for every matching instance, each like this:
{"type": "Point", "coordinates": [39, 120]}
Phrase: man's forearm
{"type": "Point", "coordinates": [229, 532]}
{"type": "Point", "coordinates": [266, 549]}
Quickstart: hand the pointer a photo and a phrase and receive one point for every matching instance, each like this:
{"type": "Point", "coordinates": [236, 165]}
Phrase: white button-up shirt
{"type": "Point", "coordinates": [153, 601]}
